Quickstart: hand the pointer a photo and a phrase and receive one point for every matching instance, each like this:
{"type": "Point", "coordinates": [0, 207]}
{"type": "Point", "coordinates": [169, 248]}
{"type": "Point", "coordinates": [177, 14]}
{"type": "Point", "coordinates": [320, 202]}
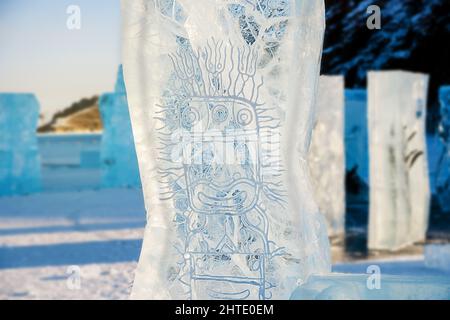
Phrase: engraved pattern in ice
{"type": "Point", "coordinates": [221, 98]}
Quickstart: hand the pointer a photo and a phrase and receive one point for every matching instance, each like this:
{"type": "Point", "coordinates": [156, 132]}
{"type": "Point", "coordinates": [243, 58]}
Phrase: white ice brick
{"type": "Point", "coordinates": [327, 156]}
{"type": "Point", "coordinates": [399, 182]}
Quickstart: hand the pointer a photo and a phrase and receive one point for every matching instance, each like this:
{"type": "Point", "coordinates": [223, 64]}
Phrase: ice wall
{"type": "Point", "coordinates": [327, 156]}
{"type": "Point", "coordinates": [442, 179]}
{"type": "Point", "coordinates": [20, 171]}
{"type": "Point", "coordinates": [222, 123]}
{"type": "Point", "coordinates": [356, 136]}
{"type": "Point", "coordinates": [118, 155]}
{"type": "Point", "coordinates": [399, 182]}
{"type": "Point", "coordinates": [366, 287]}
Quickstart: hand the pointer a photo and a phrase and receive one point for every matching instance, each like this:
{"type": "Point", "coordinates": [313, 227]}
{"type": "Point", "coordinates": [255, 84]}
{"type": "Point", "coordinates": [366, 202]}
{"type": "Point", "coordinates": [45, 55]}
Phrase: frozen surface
{"type": "Point", "coordinates": [42, 235]}
{"type": "Point", "coordinates": [399, 182]}
{"type": "Point", "coordinates": [19, 154]}
{"type": "Point", "coordinates": [339, 286]}
{"type": "Point", "coordinates": [438, 256]}
{"type": "Point", "coordinates": [327, 156]}
{"type": "Point", "coordinates": [443, 173]}
{"type": "Point", "coordinates": [356, 135]}
{"type": "Point", "coordinates": [204, 77]}
{"type": "Point", "coordinates": [118, 155]}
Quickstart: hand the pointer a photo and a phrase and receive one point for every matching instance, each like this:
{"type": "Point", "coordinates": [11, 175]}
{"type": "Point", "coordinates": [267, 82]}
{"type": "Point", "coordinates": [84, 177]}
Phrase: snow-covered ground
{"type": "Point", "coordinates": [71, 245]}
{"type": "Point", "coordinates": [85, 245]}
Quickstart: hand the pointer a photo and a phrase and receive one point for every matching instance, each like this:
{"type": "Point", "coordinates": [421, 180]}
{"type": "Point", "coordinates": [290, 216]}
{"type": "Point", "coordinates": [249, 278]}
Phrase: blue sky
{"type": "Point", "coordinates": [39, 54]}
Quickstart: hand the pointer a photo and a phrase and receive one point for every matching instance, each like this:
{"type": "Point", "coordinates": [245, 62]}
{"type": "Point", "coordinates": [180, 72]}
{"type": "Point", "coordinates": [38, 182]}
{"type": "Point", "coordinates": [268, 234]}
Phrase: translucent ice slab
{"type": "Point", "coordinates": [399, 182]}
{"type": "Point", "coordinates": [438, 256]}
{"type": "Point", "coordinates": [118, 155]}
{"type": "Point", "coordinates": [221, 99]}
{"type": "Point", "coordinates": [326, 155]}
{"type": "Point", "coordinates": [20, 171]}
{"type": "Point", "coordinates": [443, 171]}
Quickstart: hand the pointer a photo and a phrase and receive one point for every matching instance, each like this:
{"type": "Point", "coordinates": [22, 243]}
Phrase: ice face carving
{"type": "Point", "coordinates": [221, 100]}
{"type": "Point", "coordinates": [212, 130]}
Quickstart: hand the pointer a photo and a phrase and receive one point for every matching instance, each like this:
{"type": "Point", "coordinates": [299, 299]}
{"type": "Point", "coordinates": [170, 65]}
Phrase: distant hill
{"type": "Point", "coordinates": [81, 116]}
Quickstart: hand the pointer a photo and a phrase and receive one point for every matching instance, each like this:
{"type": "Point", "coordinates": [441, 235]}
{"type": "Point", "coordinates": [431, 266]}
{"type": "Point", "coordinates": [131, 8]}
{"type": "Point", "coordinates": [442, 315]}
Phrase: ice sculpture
{"type": "Point", "coordinates": [356, 136]}
{"type": "Point", "coordinates": [399, 182]}
{"type": "Point", "coordinates": [339, 286]}
{"type": "Point", "coordinates": [118, 155]}
{"type": "Point", "coordinates": [443, 172]}
{"type": "Point", "coordinates": [326, 156]}
{"type": "Point", "coordinates": [20, 170]}
{"type": "Point", "coordinates": [221, 97]}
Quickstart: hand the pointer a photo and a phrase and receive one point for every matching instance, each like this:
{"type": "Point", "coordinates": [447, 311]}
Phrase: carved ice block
{"type": "Point", "coordinates": [327, 156]}
{"type": "Point", "coordinates": [399, 182]}
{"type": "Point", "coordinates": [20, 168]}
{"type": "Point", "coordinates": [118, 154]}
{"type": "Point", "coordinates": [221, 98]}
{"type": "Point", "coordinates": [443, 170]}
{"type": "Point", "coordinates": [356, 139]}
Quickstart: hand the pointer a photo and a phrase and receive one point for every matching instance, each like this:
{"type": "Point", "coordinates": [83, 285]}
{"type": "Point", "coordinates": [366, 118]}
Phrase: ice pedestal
{"type": "Point", "coordinates": [364, 287]}
{"type": "Point", "coordinates": [118, 155]}
{"type": "Point", "coordinates": [399, 182]}
{"type": "Point", "coordinates": [222, 124]}
{"type": "Point", "coordinates": [326, 155]}
{"type": "Point", "coordinates": [20, 171]}
{"type": "Point", "coordinates": [443, 171]}
{"type": "Point", "coordinates": [437, 256]}
{"type": "Point", "coordinates": [356, 135]}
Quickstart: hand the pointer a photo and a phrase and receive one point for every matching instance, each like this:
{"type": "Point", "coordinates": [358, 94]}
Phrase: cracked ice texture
{"type": "Point", "coordinates": [326, 155]}
{"type": "Point", "coordinates": [399, 182]}
{"type": "Point", "coordinates": [443, 173]}
{"type": "Point", "coordinates": [20, 170]}
{"type": "Point", "coordinates": [118, 155]}
{"type": "Point", "coordinates": [356, 139]}
{"type": "Point", "coordinates": [251, 66]}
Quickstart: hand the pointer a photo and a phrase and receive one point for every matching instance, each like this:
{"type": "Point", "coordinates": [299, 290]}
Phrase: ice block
{"type": "Point", "coordinates": [437, 256]}
{"type": "Point", "coordinates": [118, 155]}
{"type": "Point", "coordinates": [221, 100]}
{"type": "Point", "coordinates": [20, 170]}
{"type": "Point", "coordinates": [399, 182]}
{"type": "Point", "coordinates": [327, 156]}
{"type": "Point", "coordinates": [338, 286]}
{"type": "Point", "coordinates": [442, 178]}
{"type": "Point", "coordinates": [356, 135]}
